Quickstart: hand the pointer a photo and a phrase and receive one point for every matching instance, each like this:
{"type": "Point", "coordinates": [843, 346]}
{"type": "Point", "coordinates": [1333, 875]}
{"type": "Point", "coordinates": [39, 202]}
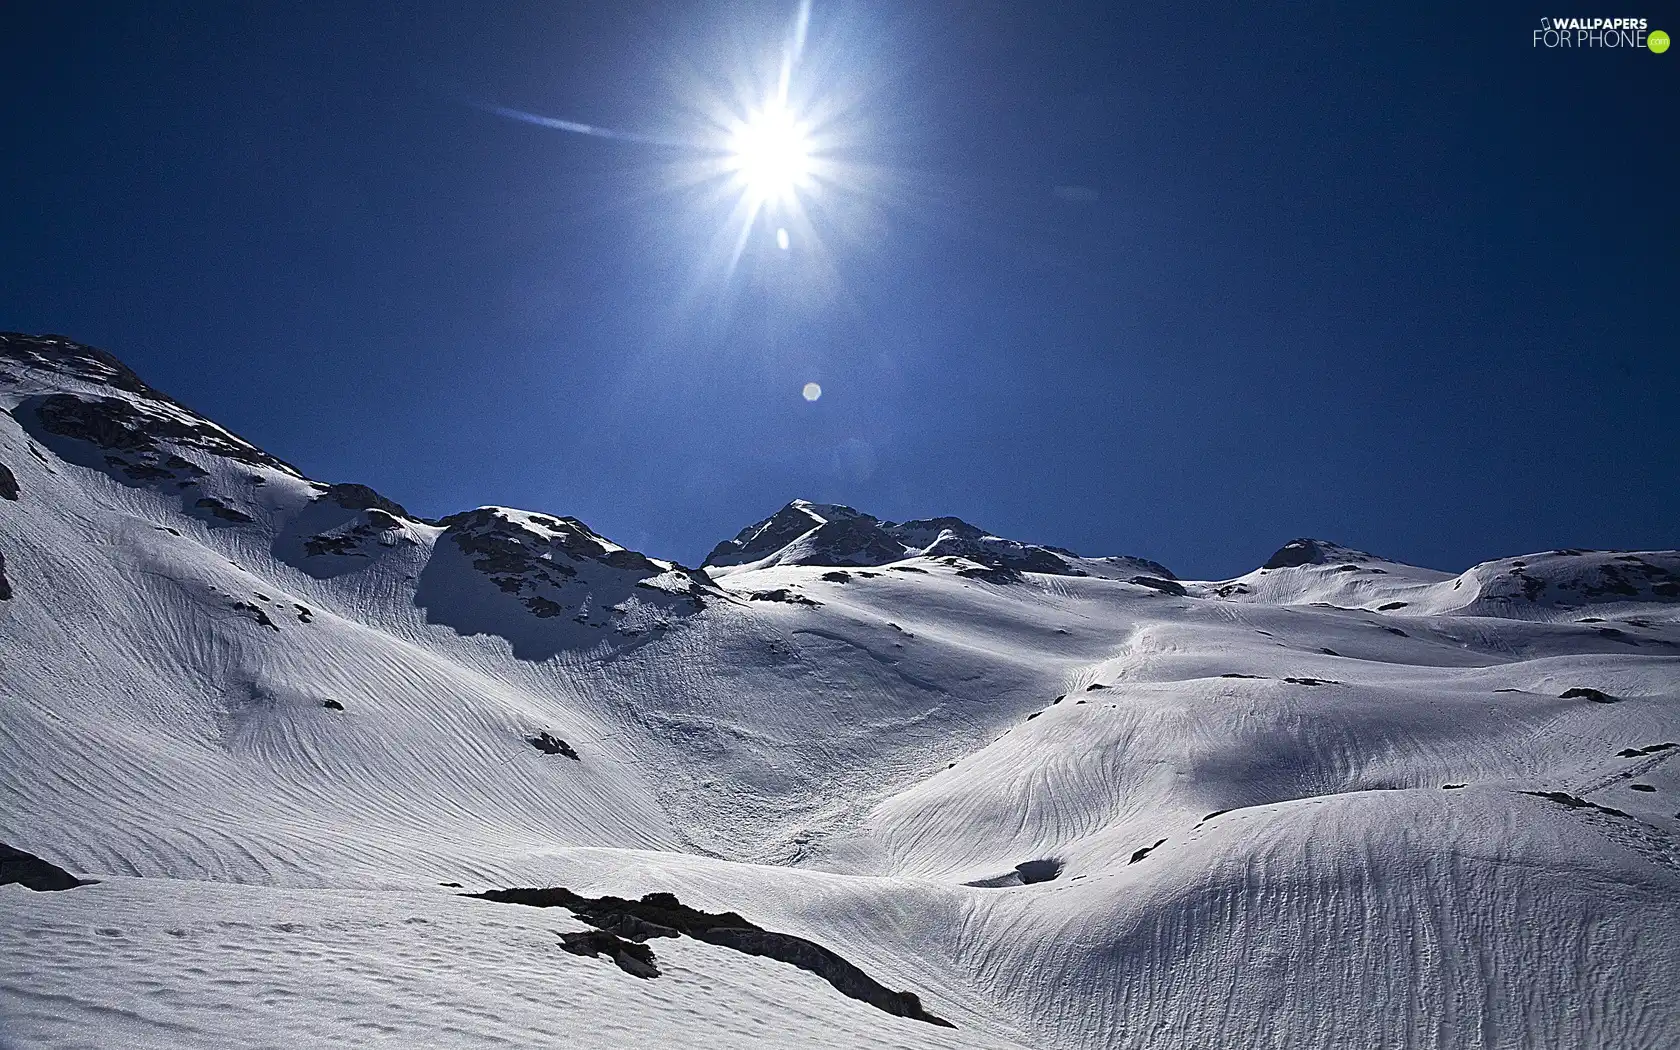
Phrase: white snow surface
{"type": "Point", "coordinates": [860, 760]}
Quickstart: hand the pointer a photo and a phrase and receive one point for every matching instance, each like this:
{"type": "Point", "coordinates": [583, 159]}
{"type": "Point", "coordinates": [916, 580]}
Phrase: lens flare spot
{"type": "Point", "coordinates": [782, 238]}
{"type": "Point", "coordinates": [812, 391]}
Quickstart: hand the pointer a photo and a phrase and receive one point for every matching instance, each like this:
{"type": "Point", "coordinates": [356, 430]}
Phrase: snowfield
{"type": "Point", "coordinates": [1066, 802]}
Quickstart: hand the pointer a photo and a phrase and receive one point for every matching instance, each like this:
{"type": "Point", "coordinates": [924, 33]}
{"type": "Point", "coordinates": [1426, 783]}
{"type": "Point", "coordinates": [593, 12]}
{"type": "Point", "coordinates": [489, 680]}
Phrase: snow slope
{"type": "Point", "coordinates": [1338, 801]}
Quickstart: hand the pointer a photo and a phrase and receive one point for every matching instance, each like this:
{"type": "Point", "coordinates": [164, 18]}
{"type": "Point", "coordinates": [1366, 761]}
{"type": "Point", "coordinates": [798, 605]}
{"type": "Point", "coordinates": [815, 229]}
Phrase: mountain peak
{"type": "Point", "coordinates": [807, 533]}
{"type": "Point", "coordinates": [1308, 551]}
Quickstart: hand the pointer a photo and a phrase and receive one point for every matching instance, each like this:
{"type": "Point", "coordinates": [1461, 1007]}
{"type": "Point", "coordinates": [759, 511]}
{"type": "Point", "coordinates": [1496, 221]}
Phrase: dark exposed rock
{"type": "Point", "coordinates": [363, 536]}
{"type": "Point", "coordinates": [342, 544]}
{"type": "Point", "coordinates": [8, 483]}
{"type": "Point", "coordinates": [5, 584]}
{"type": "Point", "coordinates": [1307, 551]}
{"type": "Point", "coordinates": [1310, 681]}
{"type": "Point", "coordinates": [855, 541]}
{"type": "Point", "coordinates": [332, 705]}
{"type": "Point", "coordinates": [1236, 674]}
{"type": "Point", "coordinates": [134, 431]}
{"type": "Point", "coordinates": [813, 957]}
{"type": "Point", "coordinates": [804, 533]}
{"type": "Point", "coordinates": [837, 576]}
{"type": "Point", "coordinates": [1584, 693]}
{"type": "Point", "coordinates": [223, 511]}
{"type": "Point", "coordinates": [1035, 871]}
{"type": "Point", "coordinates": [33, 873]}
{"type": "Point", "coordinates": [769, 535]}
{"type": "Point", "coordinates": [634, 959]}
{"type": "Point", "coordinates": [1172, 587]}
{"type": "Point", "coordinates": [1145, 851]}
{"type": "Point", "coordinates": [542, 607]}
{"type": "Point", "coordinates": [1563, 798]}
{"type": "Point", "coordinates": [1642, 787]}
{"type": "Point", "coordinates": [998, 574]}
{"type": "Point", "coordinates": [1637, 752]}
{"type": "Point", "coordinates": [633, 927]}
{"type": "Point", "coordinates": [520, 558]}
{"type": "Point", "coordinates": [360, 497]}
{"type": "Point", "coordinates": [727, 929]}
{"type": "Point", "coordinates": [1574, 577]}
{"type": "Point", "coordinates": [256, 613]}
{"type": "Point", "coordinates": [782, 594]}
{"type": "Point", "coordinates": [552, 745]}
{"type": "Point", "coordinates": [68, 357]}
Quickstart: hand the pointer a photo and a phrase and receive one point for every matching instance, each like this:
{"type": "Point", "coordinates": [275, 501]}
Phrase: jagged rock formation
{"type": "Point", "coordinates": [805, 533]}
{"type": "Point", "coordinates": [555, 566]}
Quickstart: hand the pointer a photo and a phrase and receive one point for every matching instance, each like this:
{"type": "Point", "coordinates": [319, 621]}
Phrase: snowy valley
{"type": "Point", "coordinates": [274, 754]}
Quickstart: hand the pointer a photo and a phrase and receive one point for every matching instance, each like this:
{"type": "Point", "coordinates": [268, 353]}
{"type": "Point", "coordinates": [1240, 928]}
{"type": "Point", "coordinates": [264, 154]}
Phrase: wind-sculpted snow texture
{"type": "Point", "coordinates": [1063, 802]}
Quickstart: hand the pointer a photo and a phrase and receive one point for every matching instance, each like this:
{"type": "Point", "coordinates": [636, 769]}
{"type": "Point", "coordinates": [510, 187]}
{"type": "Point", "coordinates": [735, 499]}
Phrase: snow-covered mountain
{"type": "Point", "coordinates": [805, 533]}
{"type": "Point", "coordinates": [345, 776]}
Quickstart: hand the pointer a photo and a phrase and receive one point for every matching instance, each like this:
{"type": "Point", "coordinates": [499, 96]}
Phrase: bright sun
{"type": "Point", "coordinates": [770, 153]}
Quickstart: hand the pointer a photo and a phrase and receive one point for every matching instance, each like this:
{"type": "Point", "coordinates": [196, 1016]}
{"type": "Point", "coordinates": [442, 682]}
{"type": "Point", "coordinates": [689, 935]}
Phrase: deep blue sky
{"type": "Point", "coordinates": [1381, 274]}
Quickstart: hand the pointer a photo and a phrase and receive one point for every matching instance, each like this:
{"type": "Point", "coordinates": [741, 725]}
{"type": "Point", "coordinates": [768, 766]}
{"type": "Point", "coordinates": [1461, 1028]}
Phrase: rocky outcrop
{"type": "Point", "coordinates": [360, 497]}
{"type": "Point", "coordinates": [1172, 587]}
{"type": "Point", "coordinates": [134, 434]}
{"type": "Point", "coordinates": [8, 483]}
{"type": "Point", "coordinates": [663, 915]}
{"type": "Point", "coordinates": [777, 531]}
{"type": "Point", "coordinates": [67, 357]}
{"type": "Point", "coordinates": [1573, 579]}
{"type": "Point", "coordinates": [804, 533]}
{"type": "Point", "coordinates": [369, 531]}
{"type": "Point", "coordinates": [5, 584]}
{"type": "Point", "coordinates": [32, 872]}
{"type": "Point", "coordinates": [1308, 551]}
{"type": "Point", "coordinates": [637, 960]}
{"type": "Point", "coordinates": [549, 744]}
{"type": "Point", "coordinates": [554, 565]}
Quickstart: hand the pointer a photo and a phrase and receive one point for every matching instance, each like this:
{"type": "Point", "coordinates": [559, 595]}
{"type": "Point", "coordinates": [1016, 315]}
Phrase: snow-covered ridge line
{"type": "Point", "coordinates": [806, 533]}
{"type": "Point", "coordinates": [286, 724]}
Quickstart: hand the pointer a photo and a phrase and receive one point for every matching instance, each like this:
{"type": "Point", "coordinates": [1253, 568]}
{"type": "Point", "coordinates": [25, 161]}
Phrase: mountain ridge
{"type": "Point", "coordinates": [270, 716]}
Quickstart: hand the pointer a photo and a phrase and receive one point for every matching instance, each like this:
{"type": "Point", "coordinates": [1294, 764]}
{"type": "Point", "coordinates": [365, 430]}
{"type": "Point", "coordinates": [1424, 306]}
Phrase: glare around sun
{"type": "Point", "coordinates": [770, 153]}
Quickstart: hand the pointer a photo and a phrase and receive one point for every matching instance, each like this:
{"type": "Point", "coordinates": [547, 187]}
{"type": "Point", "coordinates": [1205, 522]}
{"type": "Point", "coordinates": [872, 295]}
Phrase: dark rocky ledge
{"type": "Point", "coordinates": [135, 431]}
{"type": "Point", "coordinates": [663, 915]}
{"type": "Point", "coordinates": [33, 873]}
